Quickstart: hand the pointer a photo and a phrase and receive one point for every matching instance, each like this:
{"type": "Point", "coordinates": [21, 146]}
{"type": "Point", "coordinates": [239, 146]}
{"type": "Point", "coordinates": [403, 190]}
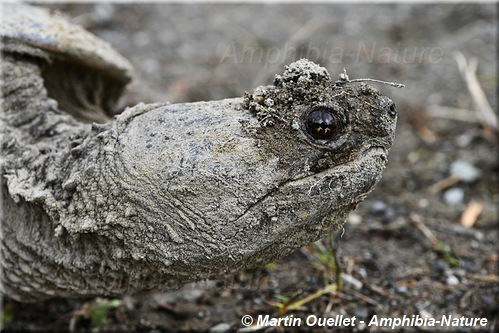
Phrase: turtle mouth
{"type": "Point", "coordinates": [334, 188]}
{"type": "Point", "coordinates": [362, 159]}
{"type": "Point", "coordinates": [375, 150]}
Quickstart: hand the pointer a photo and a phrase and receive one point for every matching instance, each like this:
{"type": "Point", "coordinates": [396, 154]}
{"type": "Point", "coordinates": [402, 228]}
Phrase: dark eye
{"type": "Point", "coordinates": [321, 124]}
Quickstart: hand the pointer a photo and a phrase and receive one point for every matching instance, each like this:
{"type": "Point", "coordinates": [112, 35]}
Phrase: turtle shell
{"type": "Point", "coordinates": [83, 73]}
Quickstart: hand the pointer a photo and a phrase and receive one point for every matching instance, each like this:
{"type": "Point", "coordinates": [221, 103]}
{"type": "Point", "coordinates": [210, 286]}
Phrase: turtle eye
{"type": "Point", "coordinates": [321, 124]}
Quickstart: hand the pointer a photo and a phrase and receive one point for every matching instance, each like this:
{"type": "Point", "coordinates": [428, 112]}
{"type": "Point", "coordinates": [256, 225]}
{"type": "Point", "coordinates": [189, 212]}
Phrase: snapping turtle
{"type": "Point", "coordinates": [165, 194]}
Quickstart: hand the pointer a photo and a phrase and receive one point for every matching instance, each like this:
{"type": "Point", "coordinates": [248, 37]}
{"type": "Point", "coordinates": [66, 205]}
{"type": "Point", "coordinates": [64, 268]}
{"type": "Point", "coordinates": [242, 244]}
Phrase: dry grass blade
{"type": "Point", "coordinates": [295, 303]}
{"type": "Point", "coordinates": [443, 184]}
{"type": "Point", "coordinates": [437, 246]}
{"type": "Point", "coordinates": [485, 278]}
{"type": "Point", "coordinates": [467, 70]}
{"type": "Point", "coordinates": [330, 288]}
{"type": "Point", "coordinates": [471, 213]}
{"type": "Point", "coordinates": [417, 221]}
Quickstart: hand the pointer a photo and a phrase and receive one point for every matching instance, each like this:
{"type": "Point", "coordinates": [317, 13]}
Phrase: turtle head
{"type": "Point", "coordinates": [331, 137]}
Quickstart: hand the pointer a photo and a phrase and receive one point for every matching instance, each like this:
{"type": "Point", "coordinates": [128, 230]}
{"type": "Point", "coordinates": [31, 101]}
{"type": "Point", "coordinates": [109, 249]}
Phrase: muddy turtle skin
{"type": "Point", "coordinates": [165, 194]}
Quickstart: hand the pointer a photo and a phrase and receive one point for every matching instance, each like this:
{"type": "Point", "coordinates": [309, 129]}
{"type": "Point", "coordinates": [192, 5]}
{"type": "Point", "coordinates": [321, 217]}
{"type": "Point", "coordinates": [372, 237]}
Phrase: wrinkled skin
{"type": "Point", "coordinates": [163, 194]}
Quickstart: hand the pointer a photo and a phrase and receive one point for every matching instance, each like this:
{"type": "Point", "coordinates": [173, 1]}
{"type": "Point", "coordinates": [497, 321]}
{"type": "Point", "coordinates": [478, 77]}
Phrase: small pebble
{"type": "Point", "coordinates": [401, 290]}
{"type": "Point", "coordinates": [220, 328]}
{"type": "Point", "coordinates": [425, 314]}
{"type": "Point", "coordinates": [452, 280]}
{"type": "Point", "coordinates": [377, 207]}
{"type": "Point", "coordinates": [354, 219]}
{"type": "Point", "coordinates": [440, 265]}
{"type": "Point", "coordinates": [465, 266]}
{"type": "Point", "coordinates": [423, 203]}
{"type": "Point", "coordinates": [361, 313]}
{"type": "Point", "coordinates": [192, 295]}
{"type": "Point", "coordinates": [464, 170]}
{"type": "Point", "coordinates": [362, 272]}
{"type": "Point", "coordinates": [454, 196]}
{"type": "Point", "coordinates": [464, 140]}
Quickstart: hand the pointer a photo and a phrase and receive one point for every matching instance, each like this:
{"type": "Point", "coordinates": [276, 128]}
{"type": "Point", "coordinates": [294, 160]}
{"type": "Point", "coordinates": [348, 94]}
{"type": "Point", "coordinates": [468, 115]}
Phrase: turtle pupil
{"type": "Point", "coordinates": [322, 124]}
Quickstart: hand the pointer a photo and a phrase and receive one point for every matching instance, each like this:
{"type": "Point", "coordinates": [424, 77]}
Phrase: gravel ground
{"type": "Point", "coordinates": [405, 250]}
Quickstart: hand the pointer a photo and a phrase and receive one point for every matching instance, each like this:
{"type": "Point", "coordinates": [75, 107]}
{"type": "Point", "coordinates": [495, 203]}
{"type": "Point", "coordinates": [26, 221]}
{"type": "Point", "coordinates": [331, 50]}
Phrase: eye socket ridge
{"type": "Point", "coordinates": [322, 123]}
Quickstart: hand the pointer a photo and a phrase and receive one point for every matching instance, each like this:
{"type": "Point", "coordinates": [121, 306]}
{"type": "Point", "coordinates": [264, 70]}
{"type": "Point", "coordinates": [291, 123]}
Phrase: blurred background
{"type": "Point", "coordinates": [187, 52]}
{"type": "Point", "coordinates": [424, 242]}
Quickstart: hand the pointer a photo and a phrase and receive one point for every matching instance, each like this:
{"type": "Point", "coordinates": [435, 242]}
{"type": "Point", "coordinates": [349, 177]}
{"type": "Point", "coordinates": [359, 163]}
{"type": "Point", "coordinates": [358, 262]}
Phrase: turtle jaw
{"type": "Point", "coordinates": [313, 199]}
{"type": "Point", "coordinates": [300, 211]}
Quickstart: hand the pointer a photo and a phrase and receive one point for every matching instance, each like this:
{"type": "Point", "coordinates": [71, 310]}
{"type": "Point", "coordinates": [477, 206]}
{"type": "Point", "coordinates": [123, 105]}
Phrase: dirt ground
{"type": "Point", "coordinates": [407, 249]}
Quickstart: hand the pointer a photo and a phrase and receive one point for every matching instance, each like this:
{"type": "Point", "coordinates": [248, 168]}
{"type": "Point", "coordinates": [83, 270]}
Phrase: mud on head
{"type": "Point", "coordinates": [331, 140]}
{"type": "Point", "coordinates": [324, 129]}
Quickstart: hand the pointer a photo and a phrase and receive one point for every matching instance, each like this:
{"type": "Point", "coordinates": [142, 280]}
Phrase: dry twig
{"type": "Point", "coordinates": [443, 184]}
{"type": "Point", "coordinates": [467, 70]}
{"type": "Point", "coordinates": [471, 213]}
